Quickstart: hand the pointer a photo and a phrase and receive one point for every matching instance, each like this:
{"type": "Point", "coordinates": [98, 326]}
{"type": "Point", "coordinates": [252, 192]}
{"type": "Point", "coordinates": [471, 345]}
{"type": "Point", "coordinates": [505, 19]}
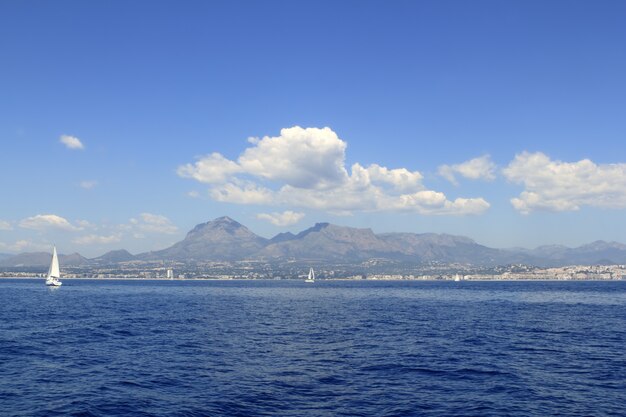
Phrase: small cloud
{"type": "Point", "coordinates": [4, 225]}
{"type": "Point", "coordinates": [47, 221]}
{"type": "Point", "coordinates": [481, 168]}
{"type": "Point", "coordinates": [286, 218]}
{"type": "Point", "coordinates": [97, 239]}
{"type": "Point", "coordinates": [193, 194]}
{"type": "Point", "coordinates": [88, 185]}
{"type": "Point", "coordinates": [71, 142]}
{"type": "Point", "coordinates": [84, 224]}
{"type": "Point", "coordinates": [153, 223]}
{"type": "Point", "coordinates": [213, 168]}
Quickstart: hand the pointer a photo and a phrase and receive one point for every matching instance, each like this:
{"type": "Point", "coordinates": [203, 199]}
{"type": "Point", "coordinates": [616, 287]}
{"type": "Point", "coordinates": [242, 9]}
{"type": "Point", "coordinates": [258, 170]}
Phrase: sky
{"type": "Point", "coordinates": [124, 124]}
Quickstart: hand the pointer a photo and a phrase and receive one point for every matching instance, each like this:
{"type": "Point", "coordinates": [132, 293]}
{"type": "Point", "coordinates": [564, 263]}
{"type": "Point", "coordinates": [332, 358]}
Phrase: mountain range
{"type": "Point", "coordinates": [225, 239]}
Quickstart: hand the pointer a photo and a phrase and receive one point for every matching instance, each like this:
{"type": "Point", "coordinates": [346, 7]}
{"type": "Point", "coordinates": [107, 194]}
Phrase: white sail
{"type": "Point", "coordinates": [53, 271]}
{"type": "Point", "coordinates": [54, 274]}
{"type": "Point", "coordinates": [311, 277]}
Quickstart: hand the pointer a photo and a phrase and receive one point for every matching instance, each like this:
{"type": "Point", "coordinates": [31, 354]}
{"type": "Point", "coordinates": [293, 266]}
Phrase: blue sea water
{"type": "Point", "coordinates": [279, 348]}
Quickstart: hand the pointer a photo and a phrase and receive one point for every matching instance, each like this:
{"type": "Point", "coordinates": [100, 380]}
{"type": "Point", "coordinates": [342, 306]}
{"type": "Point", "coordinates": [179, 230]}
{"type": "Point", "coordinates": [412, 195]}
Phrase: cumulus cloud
{"type": "Point", "coordinates": [481, 168]}
{"type": "Point", "coordinates": [564, 186]}
{"type": "Point", "coordinates": [153, 223]}
{"type": "Point", "coordinates": [305, 167]}
{"type": "Point", "coordinates": [71, 142]}
{"type": "Point", "coordinates": [286, 218]}
{"type": "Point", "coordinates": [48, 221]}
{"type": "Point", "coordinates": [97, 239]}
{"type": "Point", "coordinates": [304, 158]}
{"type": "Point", "coordinates": [88, 185]}
{"type": "Point", "coordinates": [4, 225]}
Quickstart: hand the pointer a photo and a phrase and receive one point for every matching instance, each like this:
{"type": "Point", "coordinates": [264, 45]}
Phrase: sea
{"type": "Point", "coordinates": [332, 348]}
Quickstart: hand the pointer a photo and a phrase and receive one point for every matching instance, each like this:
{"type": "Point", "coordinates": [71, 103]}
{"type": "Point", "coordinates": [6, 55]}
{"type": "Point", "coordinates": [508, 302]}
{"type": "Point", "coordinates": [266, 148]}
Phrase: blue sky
{"type": "Point", "coordinates": [502, 121]}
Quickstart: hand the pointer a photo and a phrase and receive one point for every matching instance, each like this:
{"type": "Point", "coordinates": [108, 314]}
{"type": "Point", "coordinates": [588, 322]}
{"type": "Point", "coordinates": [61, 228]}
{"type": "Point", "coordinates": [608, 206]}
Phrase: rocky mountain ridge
{"type": "Point", "coordinates": [225, 239]}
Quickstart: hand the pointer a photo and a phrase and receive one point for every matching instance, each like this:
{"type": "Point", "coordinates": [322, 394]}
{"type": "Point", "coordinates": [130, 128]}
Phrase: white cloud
{"type": "Point", "coordinates": [481, 168]}
{"type": "Point", "coordinates": [401, 178]}
{"type": "Point", "coordinates": [564, 186]}
{"type": "Point", "coordinates": [306, 168]}
{"type": "Point", "coordinates": [88, 185]}
{"type": "Point", "coordinates": [97, 239]}
{"type": "Point", "coordinates": [304, 158]}
{"type": "Point", "coordinates": [213, 168]}
{"type": "Point", "coordinates": [71, 142]}
{"type": "Point", "coordinates": [153, 223]}
{"type": "Point", "coordinates": [4, 225]}
{"type": "Point", "coordinates": [48, 221]}
{"type": "Point", "coordinates": [286, 218]}
{"type": "Point", "coordinates": [432, 202]}
{"type": "Point", "coordinates": [193, 194]}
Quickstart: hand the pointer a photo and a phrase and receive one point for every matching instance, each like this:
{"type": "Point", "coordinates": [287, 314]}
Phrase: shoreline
{"type": "Point", "coordinates": [319, 280]}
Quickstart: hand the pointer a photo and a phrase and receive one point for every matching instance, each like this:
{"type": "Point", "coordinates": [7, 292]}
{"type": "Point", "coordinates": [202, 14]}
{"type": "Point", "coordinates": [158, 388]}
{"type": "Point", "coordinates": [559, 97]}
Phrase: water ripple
{"type": "Point", "coordinates": [336, 348]}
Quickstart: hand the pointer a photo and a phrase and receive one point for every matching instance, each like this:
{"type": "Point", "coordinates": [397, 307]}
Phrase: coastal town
{"type": "Point", "coordinates": [370, 270]}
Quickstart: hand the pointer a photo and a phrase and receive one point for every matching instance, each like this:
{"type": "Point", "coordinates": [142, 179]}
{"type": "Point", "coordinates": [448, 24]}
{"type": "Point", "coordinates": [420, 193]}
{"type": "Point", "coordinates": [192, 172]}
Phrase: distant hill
{"type": "Point", "coordinates": [41, 259]}
{"type": "Point", "coordinates": [282, 237]}
{"type": "Point", "coordinates": [114, 256]}
{"type": "Point", "coordinates": [595, 253]}
{"type": "Point", "coordinates": [443, 248]}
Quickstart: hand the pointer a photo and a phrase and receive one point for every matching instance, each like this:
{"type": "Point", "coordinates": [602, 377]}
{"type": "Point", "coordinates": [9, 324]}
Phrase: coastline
{"type": "Point", "coordinates": [319, 280]}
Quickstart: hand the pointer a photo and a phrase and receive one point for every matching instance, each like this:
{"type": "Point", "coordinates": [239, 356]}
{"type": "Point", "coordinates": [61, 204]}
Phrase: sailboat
{"type": "Point", "coordinates": [311, 277]}
{"type": "Point", "coordinates": [52, 280]}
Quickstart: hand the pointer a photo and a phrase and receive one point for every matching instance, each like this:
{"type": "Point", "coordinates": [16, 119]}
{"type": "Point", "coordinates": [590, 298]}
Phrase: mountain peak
{"type": "Point", "coordinates": [223, 223]}
{"type": "Point", "coordinates": [219, 239]}
{"type": "Point", "coordinates": [119, 255]}
{"type": "Point", "coordinates": [225, 219]}
{"type": "Point", "coordinates": [316, 228]}
{"type": "Point", "coordinates": [282, 237]}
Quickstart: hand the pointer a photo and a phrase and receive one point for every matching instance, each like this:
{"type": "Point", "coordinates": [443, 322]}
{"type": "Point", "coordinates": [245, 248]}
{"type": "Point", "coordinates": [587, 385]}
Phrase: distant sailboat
{"type": "Point", "coordinates": [52, 280]}
{"type": "Point", "coordinates": [311, 277]}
